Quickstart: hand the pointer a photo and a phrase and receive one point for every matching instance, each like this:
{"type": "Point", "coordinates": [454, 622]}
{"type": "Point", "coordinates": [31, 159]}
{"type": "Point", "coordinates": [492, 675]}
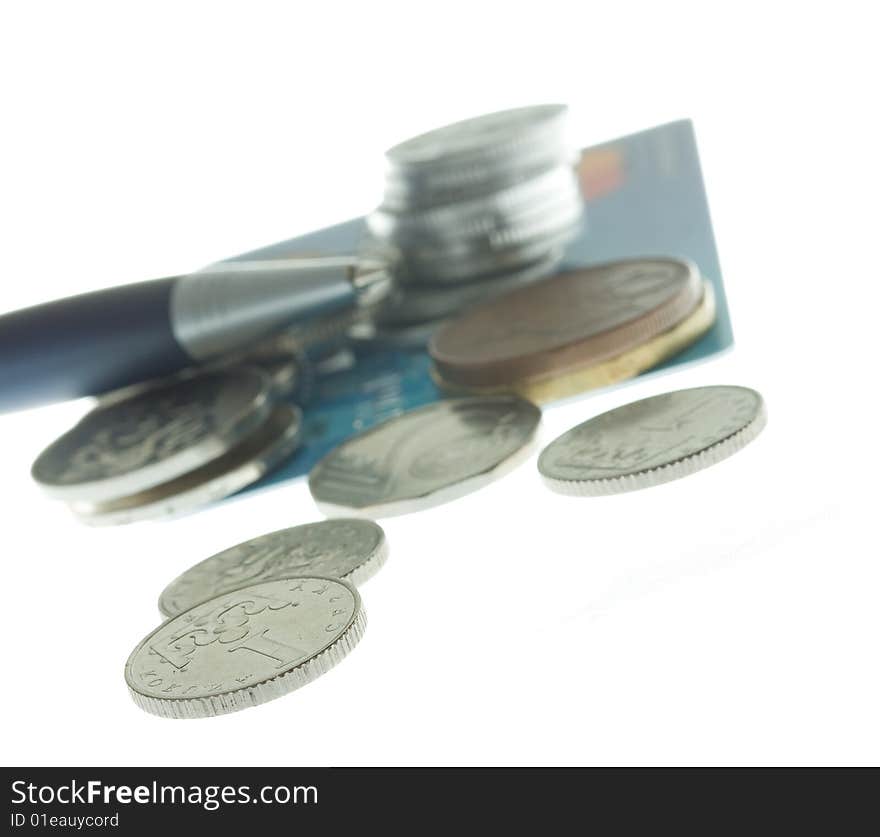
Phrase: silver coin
{"type": "Point", "coordinates": [105, 399]}
{"type": "Point", "coordinates": [265, 449]}
{"type": "Point", "coordinates": [244, 648]}
{"type": "Point", "coordinates": [420, 302]}
{"type": "Point", "coordinates": [494, 134]}
{"type": "Point", "coordinates": [455, 268]}
{"type": "Point", "coordinates": [653, 441]}
{"type": "Point", "coordinates": [424, 457]}
{"type": "Point", "coordinates": [283, 366]}
{"type": "Point", "coordinates": [156, 435]}
{"type": "Point", "coordinates": [481, 259]}
{"type": "Point", "coordinates": [541, 223]}
{"type": "Point", "coordinates": [289, 365]}
{"type": "Point", "coordinates": [463, 177]}
{"type": "Point", "coordinates": [345, 548]}
{"type": "Point", "coordinates": [540, 218]}
{"type": "Point", "coordinates": [425, 187]}
{"type": "Point", "coordinates": [509, 206]}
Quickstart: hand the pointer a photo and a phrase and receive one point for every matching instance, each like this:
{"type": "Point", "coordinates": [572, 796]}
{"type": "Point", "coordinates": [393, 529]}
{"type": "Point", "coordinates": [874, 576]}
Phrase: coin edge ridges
{"type": "Point", "coordinates": [276, 687]}
{"type": "Point", "coordinates": [669, 472]}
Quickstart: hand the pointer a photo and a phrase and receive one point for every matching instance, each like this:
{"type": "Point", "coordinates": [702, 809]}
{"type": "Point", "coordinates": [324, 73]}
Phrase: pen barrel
{"type": "Point", "coordinates": [87, 344]}
{"type": "Point", "coordinates": [229, 305]}
{"type": "Point", "coordinates": [100, 341]}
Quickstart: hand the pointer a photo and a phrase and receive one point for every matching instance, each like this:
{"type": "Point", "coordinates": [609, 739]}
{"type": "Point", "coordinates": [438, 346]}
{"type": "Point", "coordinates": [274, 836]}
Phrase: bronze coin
{"type": "Point", "coordinates": [630, 363]}
{"type": "Point", "coordinates": [571, 320]}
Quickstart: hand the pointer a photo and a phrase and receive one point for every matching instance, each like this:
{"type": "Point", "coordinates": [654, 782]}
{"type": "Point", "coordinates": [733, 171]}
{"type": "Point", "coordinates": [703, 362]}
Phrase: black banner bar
{"type": "Point", "coordinates": [132, 800]}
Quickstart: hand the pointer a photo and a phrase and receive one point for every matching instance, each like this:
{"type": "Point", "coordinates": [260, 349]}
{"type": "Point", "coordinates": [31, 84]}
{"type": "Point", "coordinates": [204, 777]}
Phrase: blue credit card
{"type": "Point", "coordinates": [645, 197]}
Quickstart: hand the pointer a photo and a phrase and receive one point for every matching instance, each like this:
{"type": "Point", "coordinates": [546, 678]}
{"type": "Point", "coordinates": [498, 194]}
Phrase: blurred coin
{"type": "Point", "coordinates": [416, 303]}
{"type": "Point", "coordinates": [289, 366]}
{"type": "Point", "coordinates": [244, 648]}
{"type": "Point", "coordinates": [562, 219]}
{"type": "Point", "coordinates": [105, 399]}
{"type": "Point", "coordinates": [653, 441]}
{"type": "Point", "coordinates": [264, 449]}
{"type": "Point", "coordinates": [481, 197]}
{"type": "Point", "coordinates": [467, 259]}
{"type": "Point", "coordinates": [459, 269]}
{"type": "Point", "coordinates": [424, 457]}
{"type": "Point", "coordinates": [344, 548]}
{"type": "Point", "coordinates": [469, 265]}
{"type": "Point", "coordinates": [564, 383]}
{"type": "Point", "coordinates": [509, 206]}
{"type": "Point", "coordinates": [572, 319]}
{"type": "Point", "coordinates": [500, 132]}
{"type": "Point", "coordinates": [467, 155]}
{"type": "Point", "coordinates": [559, 212]}
{"type": "Point", "coordinates": [426, 187]}
{"type": "Point", "coordinates": [158, 433]}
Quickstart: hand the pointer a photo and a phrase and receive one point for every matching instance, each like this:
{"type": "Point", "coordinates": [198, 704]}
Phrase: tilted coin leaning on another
{"type": "Point", "coordinates": [171, 446]}
{"type": "Point", "coordinates": [349, 549]}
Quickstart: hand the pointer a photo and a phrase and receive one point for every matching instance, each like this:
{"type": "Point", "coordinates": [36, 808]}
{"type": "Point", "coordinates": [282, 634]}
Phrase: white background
{"type": "Point", "coordinates": [728, 618]}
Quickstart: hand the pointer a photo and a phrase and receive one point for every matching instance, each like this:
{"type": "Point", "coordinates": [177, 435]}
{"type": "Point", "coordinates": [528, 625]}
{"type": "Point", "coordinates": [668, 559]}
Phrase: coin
{"type": "Point", "coordinates": [246, 647]}
{"type": "Point", "coordinates": [345, 548]}
{"type": "Point", "coordinates": [429, 186]}
{"type": "Point", "coordinates": [478, 198]}
{"type": "Point", "coordinates": [653, 441]}
{"type": "Point", "coordinates": [567, 382]}
{"type": "Point", "coordinates": [410, 304]}
{"type": "Point", "coordinates": [425, 456]}
{"type": "Point", "coordinates": [513, 205]}
{"type": "Point", "coordinates": [468, 155]}
{"type": "Point", "coordinates": [474, 134]}
{"type": "Point", "coordinates": [476, 259]}
{"type": "Point", "coordinates": [267, 447]}
{"type": "Point", "coordinates": [572, 319]}
{"type": "Point", "coordinates": [471, 267]}
{"type": "Point", "coordinates": [159, 433]}
{"type": "Point", "coordinates": [540, 219]}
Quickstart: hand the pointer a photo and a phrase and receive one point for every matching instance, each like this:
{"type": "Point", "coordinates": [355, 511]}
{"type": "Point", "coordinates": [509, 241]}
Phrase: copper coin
{"type": "Point", "coordinates": [574, 319]}
{"type": "Point", "coordinates": [633, 362]}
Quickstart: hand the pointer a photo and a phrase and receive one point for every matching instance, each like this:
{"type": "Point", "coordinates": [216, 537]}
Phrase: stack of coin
{"type": "Point", "coordinates": [170, 446]}
{"type": "Point", "coordinates": [227, 425]}
{"type": "Point", "coordinates": [473, 209]}
{"type": "Point", "coordinates": [257, 620]}
{"type": "Point", "coordinates": [575, 331]}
